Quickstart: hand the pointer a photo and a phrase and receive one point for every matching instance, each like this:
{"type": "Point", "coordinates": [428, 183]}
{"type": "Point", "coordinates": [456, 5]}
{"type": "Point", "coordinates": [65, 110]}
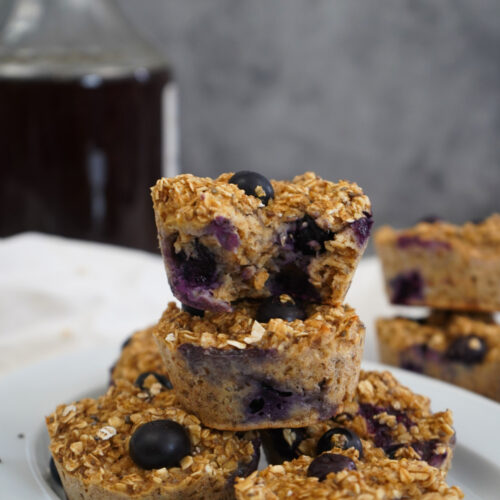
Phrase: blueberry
{"type": "Point", "coordinates": [341, 438]}
{"type": "Point", "coordinates": [362, 228]}
{"type": "Point", "coordinates": [161, 443]}
{"type": "Point", "coordinates": [253, 184]}
{"type": "Point", "coordinates": [273, 307]}
{"type": "Point", "coordinates": [469, 350]}
{"type": "Point", "coordinates": [308, 238]}
{"type": "Point", "coordinates": [193, 311]}
{"type": "Point", "coordinates": [200, 268]}
{"type": "Point", "coordinates": [53, 472]}
{"type": "Point", "coordinates": [426, 450]}
{"type": "Point", "coordinates": [286, 441]}
{"type": "Point", "coordinates": [293, 281]}
{"type": "Point", "coordinates": [162, 379]}
{"type": "Point", "coordinates": [323, 465]}
{"type": "Point", "coordinates": [406, 287]}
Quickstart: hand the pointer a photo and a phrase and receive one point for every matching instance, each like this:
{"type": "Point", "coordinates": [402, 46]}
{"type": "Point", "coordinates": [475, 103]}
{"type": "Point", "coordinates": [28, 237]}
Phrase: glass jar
{"type": "Point", "coordinates": [87, 123]}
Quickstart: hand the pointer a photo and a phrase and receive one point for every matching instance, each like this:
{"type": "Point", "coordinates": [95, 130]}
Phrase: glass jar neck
{"type": "Point", "coordinates": [69, 37]}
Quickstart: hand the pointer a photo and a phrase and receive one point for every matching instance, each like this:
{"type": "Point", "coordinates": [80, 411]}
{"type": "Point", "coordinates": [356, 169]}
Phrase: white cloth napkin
{"type": "Point", "coordinates": [58, 295]}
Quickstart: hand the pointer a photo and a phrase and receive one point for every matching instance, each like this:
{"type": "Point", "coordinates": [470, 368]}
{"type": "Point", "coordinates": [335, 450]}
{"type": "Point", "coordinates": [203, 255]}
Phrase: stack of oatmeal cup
{"type": "Point", "coordinates": [262, 350]}
{"type": "Point", "coordinates": [455, 271]}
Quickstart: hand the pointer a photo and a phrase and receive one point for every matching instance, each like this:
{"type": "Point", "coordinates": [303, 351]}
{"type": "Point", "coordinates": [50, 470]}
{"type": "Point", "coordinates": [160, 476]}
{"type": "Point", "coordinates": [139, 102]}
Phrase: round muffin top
{"type": "Point", "coordinates": [187, 199]}
{"type": "Point", "coordinates": [90, 441]}
{"type": "Point", "coordinates": [342, 475]}
{"type": "Point", "coordinates": [240, 329]}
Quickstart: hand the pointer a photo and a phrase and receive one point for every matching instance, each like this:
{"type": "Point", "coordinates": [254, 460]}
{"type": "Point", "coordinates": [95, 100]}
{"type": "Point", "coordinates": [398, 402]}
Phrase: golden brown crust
{"type": "Point", "coordinates": [191, 200]}
{"type": "Point", "coordinates": [239, 329]}
{"type": "Point", "coordinates": [404, 342]}
{"type": "Point", "coordinates": [219, 364]}
{"type": "Point", "coordinates": [89, 443]}
{"type": "Point", "coordinates": [376, 478]}
{"type": "Point", "coordinates": [443, 266]}
{"type": "Point", "coordinates": [484, 236]}
{"type": "Point", "coordinates": [249, 244]}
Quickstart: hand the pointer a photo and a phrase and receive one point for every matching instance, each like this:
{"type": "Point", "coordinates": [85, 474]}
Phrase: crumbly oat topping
{"type": "Point", "coordinates": [239, 329]}
{"type": "Point", "coordinates": [439, 331]}
{"type": "Point", "coordinates": [197, 200]}
{"type": "Point", "coordinates": [484, 236]}
{"type": "Point", "coordinates": [382, 391]}
{"type": "Point", "coordinates": [376, 478]}
{"type": "Point", "coordinates": [91, 442]}
{"type": "Point", "coordinates": [138, 356]}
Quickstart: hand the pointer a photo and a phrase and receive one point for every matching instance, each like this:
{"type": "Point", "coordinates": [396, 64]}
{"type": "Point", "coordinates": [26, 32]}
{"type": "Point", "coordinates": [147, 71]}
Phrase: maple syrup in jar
{"type": "Point", "coordinates": [87, 123]}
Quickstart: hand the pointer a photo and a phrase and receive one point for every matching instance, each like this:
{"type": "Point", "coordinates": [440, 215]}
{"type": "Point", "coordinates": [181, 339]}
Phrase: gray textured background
{"type": "Point", "coordinates": [401, 96]}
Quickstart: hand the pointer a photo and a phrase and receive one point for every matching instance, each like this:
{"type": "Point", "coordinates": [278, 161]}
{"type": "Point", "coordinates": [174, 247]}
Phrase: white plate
{"type": "Point", "coordinates": [30, 394]}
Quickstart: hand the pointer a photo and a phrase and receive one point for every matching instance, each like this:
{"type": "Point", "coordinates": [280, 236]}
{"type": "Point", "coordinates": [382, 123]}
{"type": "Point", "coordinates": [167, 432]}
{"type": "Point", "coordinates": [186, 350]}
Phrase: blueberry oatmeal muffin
{"type": "Point", "coordinates": [270, 363]}
{"type": "Point", "coordinates": [443, 266]}
{"type": "Point", "coordinates": [344, 475]}
{"type": "Point", "coordinates": [139, 355]}
{"type": "Point", "coordinates": [138, 443]}
{"type": "Point", "coordinates": [243, 236]}
{"type": "Point", "coordinates": [396, 422]}
{"type": "Point", "coordinates": [463, 349]}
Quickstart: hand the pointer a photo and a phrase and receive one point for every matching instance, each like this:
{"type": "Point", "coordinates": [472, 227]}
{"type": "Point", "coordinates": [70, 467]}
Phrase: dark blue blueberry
{"type": "Point", "coordinates": [412, 366]}
{"type": "Point", "coordinates": [273, 307]}
{"type": "Point", "coordinates": [250, 182]}
{"type": "Point", "coordinates": [162, 379]}
{"type": "Point", "coordinates": [339, 437]}
{"type": "Point", "coordinates": [269, 402]}
{"type": "Point", "coordinates": [54, 473]}
{"type": "Point", "coordinates": [198, 269]}
{"type": "Point", "coordinates": [193, 311]}
{"type": "Point", "coordinates": [161, 443]}
{"type": "Point", "coordinates": [282, 444]}
{"type": "Point", "coordinates": [382, 434]}
{"type": "Point", "coordinates": [470, 349]}
{"type": "Point", "coordinates": [390, 451]}
{"type": "Point", "coordinates": [308, 238]}
{"type": "Point", "coordinates": [362, 228]}
{"type": "Point", "coordinates": [293, 281]}
{"type": "Point", "coordinates": [426, 451]}
{"type": "Point", "coordinates": [244, 469]}
{"type": "Point", "coordinates": [323, 465]}
{"type": "Point", "coordinates": [407, 287]}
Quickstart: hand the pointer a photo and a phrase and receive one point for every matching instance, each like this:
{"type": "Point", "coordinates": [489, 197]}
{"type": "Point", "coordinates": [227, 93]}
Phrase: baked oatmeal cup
{"type": "Point", "coordinates": [137, 443]}
{"type": "Point", "coordinates": [395, 421]}
{"type": "Point", "coordinates": [222, 241]}
{"type": "Point", "coordinates": [344, 475]}
{"type": "Point", "coordinates": [236, 373]}
{"type": "Point", "coordinates": [459, 348]}
{"type": "Point", "coordinates": [443, 266]}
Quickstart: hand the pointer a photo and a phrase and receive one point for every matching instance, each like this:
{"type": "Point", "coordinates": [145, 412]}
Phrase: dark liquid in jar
{"type": "Point", "coordinates": [78, 156]}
